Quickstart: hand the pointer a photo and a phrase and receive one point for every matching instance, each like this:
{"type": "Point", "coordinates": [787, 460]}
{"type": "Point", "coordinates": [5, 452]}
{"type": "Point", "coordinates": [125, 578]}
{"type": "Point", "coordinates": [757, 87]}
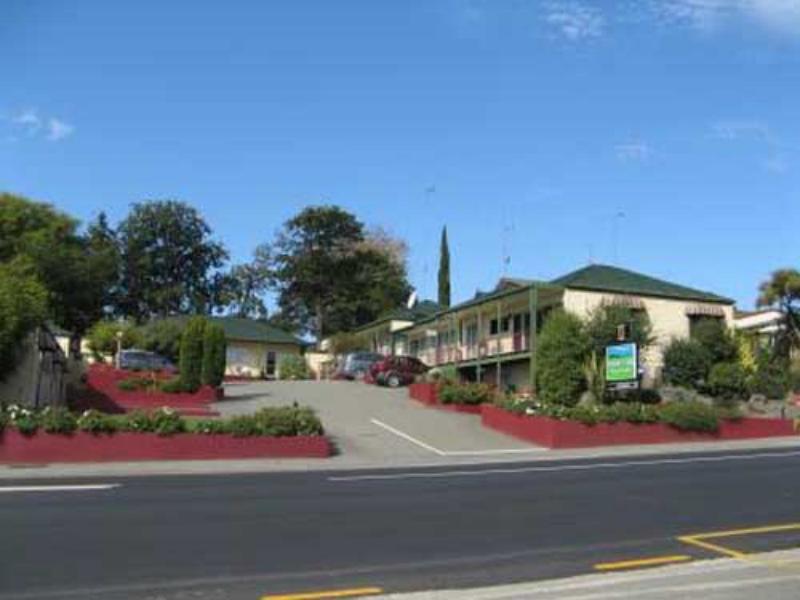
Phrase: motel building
{"type": "Point", "coordinates": [492, 337]}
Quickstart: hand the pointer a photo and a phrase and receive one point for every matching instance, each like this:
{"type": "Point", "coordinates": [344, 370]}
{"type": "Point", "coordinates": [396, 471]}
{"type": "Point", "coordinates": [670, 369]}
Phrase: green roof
{"type": "Point", "coordinates": [249, 330]}
{"type": "Point", "coordinates": [421, 310]}
{"type": "Point", "coordinates": [604, 278]}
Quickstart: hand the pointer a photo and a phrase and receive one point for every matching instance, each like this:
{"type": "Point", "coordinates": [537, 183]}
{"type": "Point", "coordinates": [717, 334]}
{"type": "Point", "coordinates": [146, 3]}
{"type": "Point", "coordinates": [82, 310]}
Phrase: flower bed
{"type": "Point", "coordinates": [56, 435]}
{"type": "Point", "coordinates": [428, 394]}
{"type": "Point", "coordinates": [556, 433]}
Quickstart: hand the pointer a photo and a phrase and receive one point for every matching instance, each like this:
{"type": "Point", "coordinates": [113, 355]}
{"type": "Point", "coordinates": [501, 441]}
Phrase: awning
{"type": "Point", "coordinates": [632, 302]}
{"type": "Point", "coordinates": [705, 310]}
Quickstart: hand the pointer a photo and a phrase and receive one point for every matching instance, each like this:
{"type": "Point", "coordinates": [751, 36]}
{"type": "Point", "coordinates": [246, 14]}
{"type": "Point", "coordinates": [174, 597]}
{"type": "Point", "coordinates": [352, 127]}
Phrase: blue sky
{"type": "Point", "coordinates": [543, 126]}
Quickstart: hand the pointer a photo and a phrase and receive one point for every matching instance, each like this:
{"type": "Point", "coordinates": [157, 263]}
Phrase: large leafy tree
{"type": "Point", "coordinates": [76, 269]}
{"type": "Point", "coordinates": [169, 262]}
{"type": "Point", "coordinates": [248, 283]}
{"type": "Point", "coordinates": [23, 306]}
{"type": "Point", "coordinates": [330, 276]}
{"type": "Point", "coordinates": [782, 291]}
{"type": "Point", "coordinates": [444, 271]}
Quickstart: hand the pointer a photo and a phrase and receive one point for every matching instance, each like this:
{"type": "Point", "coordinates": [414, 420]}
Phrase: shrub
{"type": "Point", "coordinates": [25, 420]}
{"type": "Point", "coordinates": [214, 349]}
{"type": "Point", "coordinates": [728, 381]}
{"type": "Point", "coordinates": [96, 422]}
{"type": "Point", "coordinates": [794, 380]}
{"type": "Point", "coordinates": [191, 363]}
{"type": "Point", "coordinates": [690, 416]}
{"type": "Point", "coordinates": [465, 393]}
{"type": "Point", "coordinates": [292, 367]}
{"type": "Point", "coordinates": [563, 348]}
{"type": "Point", "coordinates": [771, 377]}
{"type": "Point", "coordinates": [601, 327]}
{"type": "Point", "coordinates": [23, 306]}
{"type": "Point", "coordinates": [713, 335]}
{"type": "Point", "coordinates": [686, 363]}
{"type": "Point", "coordinates": [207, 426]}
{"type": "Point", "coordinates": [134, 384]}
{"type": "Point", "coordinates": [58, 420]}
{"type": "Point", "coordinates": [172, 386]}
{"type": "Point", "coordinates": [446, 374]}
{"type": "Point", "coordinates": [102, 338]}
{"type": "Point", "coordinates": [165, 421]}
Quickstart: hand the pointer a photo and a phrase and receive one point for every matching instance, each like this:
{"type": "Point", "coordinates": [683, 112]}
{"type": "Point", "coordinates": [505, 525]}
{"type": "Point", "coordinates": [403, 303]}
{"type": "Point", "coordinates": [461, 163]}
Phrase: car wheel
{"type": "Point", "coordinates": [393, 380]}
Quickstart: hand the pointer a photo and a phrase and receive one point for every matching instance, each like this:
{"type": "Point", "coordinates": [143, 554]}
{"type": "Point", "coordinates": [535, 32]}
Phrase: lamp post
{"type": "Point", "coordinates": [119, 347]}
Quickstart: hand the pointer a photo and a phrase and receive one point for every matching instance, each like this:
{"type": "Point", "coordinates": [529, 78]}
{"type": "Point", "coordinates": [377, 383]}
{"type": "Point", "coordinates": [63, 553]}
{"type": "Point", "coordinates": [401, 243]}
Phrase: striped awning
{"type": "Point", "coordinates": [632, 302]}
{"type": "Point", "coordinates": [705, 310]}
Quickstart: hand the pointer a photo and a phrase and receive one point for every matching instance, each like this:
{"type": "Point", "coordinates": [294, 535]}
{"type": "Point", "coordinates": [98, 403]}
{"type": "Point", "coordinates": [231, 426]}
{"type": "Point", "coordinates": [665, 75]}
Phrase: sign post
{"type": "Point", "coordinates": [622, 366]}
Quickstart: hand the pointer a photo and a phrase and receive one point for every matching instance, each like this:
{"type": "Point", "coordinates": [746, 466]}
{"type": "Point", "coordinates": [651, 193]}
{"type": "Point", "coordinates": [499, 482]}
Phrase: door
{"type": "Point", "coordinates": [518, 335]}
{"type": "Point", "coordinates": [270, 369]}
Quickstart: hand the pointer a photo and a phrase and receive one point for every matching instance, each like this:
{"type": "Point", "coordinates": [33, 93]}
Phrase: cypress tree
{"type": "Point", "coordinates": [191, 359]}
{"type": "Point", "coordinates": [444, 271]}
{"type": "Point", "coordinates": [213, 355]}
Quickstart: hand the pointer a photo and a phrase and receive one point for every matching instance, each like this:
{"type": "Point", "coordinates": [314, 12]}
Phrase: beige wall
{"type": "Point", "coordinates": [669, 318]}
{"type": "Point", "coordinates": [248, 359]}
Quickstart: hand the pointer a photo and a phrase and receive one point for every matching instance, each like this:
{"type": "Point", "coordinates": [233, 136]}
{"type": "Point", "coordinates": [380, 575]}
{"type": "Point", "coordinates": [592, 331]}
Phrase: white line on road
{"type": "Point", "coordinates": [58, 488]}
{"type": "Point", "coordinates": [435, 450]}
{"type": "Point", "coordinates": [558, 468]}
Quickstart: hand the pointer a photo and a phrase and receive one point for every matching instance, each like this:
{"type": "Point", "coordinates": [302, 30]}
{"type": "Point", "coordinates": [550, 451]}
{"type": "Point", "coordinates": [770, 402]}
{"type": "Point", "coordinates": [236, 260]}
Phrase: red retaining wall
{"type": "Point", "coordinates": [126, 446]}
{"type": "Point", "coordinates": [428, 394]}
{"type": "Point", "coordinates": [105, 395]}
{"type": "Point", "coordinates": [553, 433]}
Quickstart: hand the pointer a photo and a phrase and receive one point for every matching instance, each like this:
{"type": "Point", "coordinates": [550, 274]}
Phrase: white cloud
{"type": "Point", "coordinates": [774, 15]}
{"type": "Point", "coordinates": [31, 123]}
{"type": "Point", "coordinates": [575, 20]}
{"type": "Point", "coordinates": [633, 151]}
{"type": "Point", "coordinates": [58, 130]}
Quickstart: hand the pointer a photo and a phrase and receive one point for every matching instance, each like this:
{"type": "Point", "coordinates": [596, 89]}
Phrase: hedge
{"type": "Point", "coordinates": [560, 357]}
{"type": "Point", "coordinates": [191, 363]}
{"type": "Point", "coordinates": [214, 349]}
{"type": "Point", "coordinates": [465, 393]}
{"type": "Point", "coordinates": [281, 421]}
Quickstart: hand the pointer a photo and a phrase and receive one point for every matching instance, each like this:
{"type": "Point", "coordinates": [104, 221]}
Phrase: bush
{"type": "Point", "coordinates": [93, 421]}
{"type": "Point", "coordinates": [563, 348]}
{"type": "Point", "coordinates": [23, 306]}
{"type": "Point", "coordinates": [172, 386]}
{"type": "Point", "coordinates": [794, 380]}
{"type": "Point", "coordinates": [292, 367]}
{"type": "Point", "coordinates": [771, 377]}
{"type": "Point", "coordinates": [446, 374]}
{"type": "Point", "coordinates": [135, 384]}
{"type": "Point", "coordinates": [102, 338]}
{"type": "Point", "coordinates": [601, 327]}
{"type": "Point", "coordinates": [58, 420]}
{"type": "Point", "coordinates": [165, 421]}
{"type": "Point", "coordinates": [686, 364]}
{"type": "Point", "coordinates": [465, 393]}
{"type": "Point", "coordinates": [25, 420]}
{"type": "Point", "coordinates": [214, 349]}
{"type": "Point", "coordinates": [162, 336]}
{"type": "Point", "coordinates": [713, 335]}
{"type": "Point", "coordinates": [728, 381]}
{"type": "Point", "coordinates": [191, 363]}
{"type": "Point", "coordinates": [690, 416]}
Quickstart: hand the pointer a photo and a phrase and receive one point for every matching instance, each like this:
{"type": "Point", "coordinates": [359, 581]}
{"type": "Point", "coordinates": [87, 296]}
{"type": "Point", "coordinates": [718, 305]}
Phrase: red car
{"type": "Point", "coordinates": [395, 371]}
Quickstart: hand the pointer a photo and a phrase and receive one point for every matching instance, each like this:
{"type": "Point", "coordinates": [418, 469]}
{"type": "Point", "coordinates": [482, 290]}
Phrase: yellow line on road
{"type": "Point", "coordinates": [748, 531]}
{"type": "Point", "coordinates": [694, 541]}
{"type": "Point", "coordinates": [642, 562]}
{"type": "Point", "coordinates": [325, 595]}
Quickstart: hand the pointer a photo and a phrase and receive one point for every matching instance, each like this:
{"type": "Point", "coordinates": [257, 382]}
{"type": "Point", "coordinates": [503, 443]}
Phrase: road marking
{"type": "Point", "coordinates": [642, 562]}
{"type": "Point", "coordinates": [701, 539]}
{"type": "Point", "coordinates": [351, 593]}
{"type": "Point", "coordinates": [58, 488]}
{"type": "Point", "coordinates": [559, 468]}
{"type": "Point", "coordinates": [439, 452]}
{"type": "Point", "coordinates": [407, 437]}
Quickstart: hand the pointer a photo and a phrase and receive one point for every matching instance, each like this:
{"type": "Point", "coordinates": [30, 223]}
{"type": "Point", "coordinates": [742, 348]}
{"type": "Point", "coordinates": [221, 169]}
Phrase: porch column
{"type": "Point", "coordinates": [498, 368]}
{"type": "Point", "coordinates": [478, 370]}
{"type": "Point", "coordinates": [533, 307]}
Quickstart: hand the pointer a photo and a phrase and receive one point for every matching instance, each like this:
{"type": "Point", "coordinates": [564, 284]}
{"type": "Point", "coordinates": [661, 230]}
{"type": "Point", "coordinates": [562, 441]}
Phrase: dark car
{"type": "Point", "coordinates": [141, 360]}
{"type": "Point", "coordinates": [357, 364]}
{"type": "Point", "coordinates": [395, 371]}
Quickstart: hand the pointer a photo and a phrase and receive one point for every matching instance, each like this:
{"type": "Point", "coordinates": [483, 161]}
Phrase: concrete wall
{"type": "Point", "coordinates": [670, 319]}
{"type": "Point", "coordinates": [249, 359]}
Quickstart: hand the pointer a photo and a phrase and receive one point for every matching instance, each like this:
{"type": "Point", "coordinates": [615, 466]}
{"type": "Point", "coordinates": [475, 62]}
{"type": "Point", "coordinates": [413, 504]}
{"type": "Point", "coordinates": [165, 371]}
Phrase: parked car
{"type": "Point", "coordinates": [357, 364]}
{"type": "Point", "coordinates": [395, 371]}
{"type": "Point", "coordinates": [142, 360]}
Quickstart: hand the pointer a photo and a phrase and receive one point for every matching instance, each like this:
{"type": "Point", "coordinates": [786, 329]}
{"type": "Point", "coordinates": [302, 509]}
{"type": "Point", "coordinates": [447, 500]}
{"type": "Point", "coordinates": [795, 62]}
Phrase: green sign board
{"type": "Point", "coordinates": [621, 363]}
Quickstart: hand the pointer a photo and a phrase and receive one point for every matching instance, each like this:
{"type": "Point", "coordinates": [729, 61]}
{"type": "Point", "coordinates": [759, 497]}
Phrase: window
{"type": "Point", "coordinates": [506, 324]}
{"type": "Point", "coordinates": [493, 327]}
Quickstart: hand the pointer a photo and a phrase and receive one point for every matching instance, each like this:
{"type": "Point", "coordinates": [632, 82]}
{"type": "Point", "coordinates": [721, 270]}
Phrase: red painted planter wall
{"type": "Point", "coordinates": [428, 394]}
{"type": "Point", "coordinates": [553, 433]}
{"type": "Point", "coordinates": [125, 446]}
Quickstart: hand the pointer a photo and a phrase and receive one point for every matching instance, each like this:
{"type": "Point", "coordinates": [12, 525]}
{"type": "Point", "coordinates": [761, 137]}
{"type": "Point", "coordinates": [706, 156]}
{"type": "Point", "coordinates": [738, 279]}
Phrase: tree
{"type": "Point", "coordinates": [560, 359]}
{"type": "Point", "coordinates": [248, 284]}
{"type": "Point", "coordinates": [603, 321]}
{"type": "Point", "coordinates": [103, 337]}
{"type": "Point", "coordinates": [782, 291]}
{"type": "Point", "coordinates": [713, 335]}
{"type": "Point", "coordinates": [162, 336]}
{"type": "Point", "coordinates": [191, 361]}
{"type": "Point", "coordinates": [329, 276]}
{"type": "Point", "coordinates": [76, 269]}
{"type": "Point", "coordinates": [214, 347]}
{"type": "Point", "coordinates": [169, 262]}
{"type": "Point", "coordinates": [23, 306]}
{"type": "Point", "coordinates": [444, 271]}
{"type": "Point", "coordinates": [686, 364]}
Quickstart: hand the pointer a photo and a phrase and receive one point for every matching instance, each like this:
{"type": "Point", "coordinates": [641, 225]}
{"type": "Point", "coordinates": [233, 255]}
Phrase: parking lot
{"type": "Point", "coordinates": [371, 424]}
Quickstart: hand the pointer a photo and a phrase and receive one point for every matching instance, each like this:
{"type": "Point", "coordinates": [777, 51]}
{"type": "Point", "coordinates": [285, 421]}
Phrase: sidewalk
{"type": "Point", "coordinates": [346, 462]}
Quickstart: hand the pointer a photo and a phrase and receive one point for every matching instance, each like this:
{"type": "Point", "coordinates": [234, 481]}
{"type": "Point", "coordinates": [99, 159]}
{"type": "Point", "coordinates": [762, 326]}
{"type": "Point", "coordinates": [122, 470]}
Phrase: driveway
{"type": "Point", "coordinates": [374, 424]}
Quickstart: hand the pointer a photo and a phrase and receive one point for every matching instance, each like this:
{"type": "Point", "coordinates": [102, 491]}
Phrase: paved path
{"type": "Point", "coordinates": [377, 424]}
{"type": "Point", "coordinates": [244, 536]}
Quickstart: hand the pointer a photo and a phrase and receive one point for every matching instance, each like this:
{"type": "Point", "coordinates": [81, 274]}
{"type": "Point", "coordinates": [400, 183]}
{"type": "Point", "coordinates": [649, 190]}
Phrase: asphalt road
{"type": "Point", "coordinates": [244, 536]}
